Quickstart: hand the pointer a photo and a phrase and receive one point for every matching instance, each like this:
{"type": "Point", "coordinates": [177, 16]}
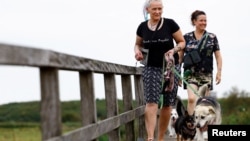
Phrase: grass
{"type": "Point", "coordinates": [17, 131]}
{"type": "Point", "coordinates": [13, 131]}
{"type": "Point", "coordinates": [20, 132]}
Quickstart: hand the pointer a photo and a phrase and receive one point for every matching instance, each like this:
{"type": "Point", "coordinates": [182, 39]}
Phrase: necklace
{"type": "Point", "coordinates": [152, 26]}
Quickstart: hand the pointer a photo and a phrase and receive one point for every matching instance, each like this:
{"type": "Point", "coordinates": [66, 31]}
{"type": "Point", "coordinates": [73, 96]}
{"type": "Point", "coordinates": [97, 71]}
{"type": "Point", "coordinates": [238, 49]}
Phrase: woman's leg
{"type": "Point", "coordinates": [165, 113]}
{"type": "Point", "coordinates": [192, 97]}
{"type": "Point", "coordinates": [163, 122]}
{"type": "Point", "coordinates": [152, 85]}
{"type": "Point", "coordinates": [151, 118]}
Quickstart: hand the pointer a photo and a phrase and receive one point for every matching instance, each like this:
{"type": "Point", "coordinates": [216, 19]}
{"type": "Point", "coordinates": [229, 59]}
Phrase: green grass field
{"type": "Point", "coordinates": [27, 131]}
{"type": "Point", "coordinates": [20, 132]}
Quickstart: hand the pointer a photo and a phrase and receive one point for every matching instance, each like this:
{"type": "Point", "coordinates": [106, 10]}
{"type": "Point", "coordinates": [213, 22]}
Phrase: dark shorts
{"type": "Point", "coordinates": [152, 82]}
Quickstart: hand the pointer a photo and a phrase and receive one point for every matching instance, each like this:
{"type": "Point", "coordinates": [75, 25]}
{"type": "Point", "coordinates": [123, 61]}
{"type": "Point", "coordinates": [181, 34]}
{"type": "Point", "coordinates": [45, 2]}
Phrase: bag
{"type": "Point", "coordinates": [191, 59]}
{"type": "Point", "coordinates": [145, 56]}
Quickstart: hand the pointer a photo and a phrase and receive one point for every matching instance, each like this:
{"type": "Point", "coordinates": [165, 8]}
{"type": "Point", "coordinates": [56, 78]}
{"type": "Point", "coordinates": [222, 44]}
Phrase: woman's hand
{"type": "Point", "coordinates": [180, 82]}
{"type": "Point", "coordinates": [170, 52]}
{"type": "Point", "coordinates": [138, 55]}
{"type": "Point", "coordinates": [218, 77]}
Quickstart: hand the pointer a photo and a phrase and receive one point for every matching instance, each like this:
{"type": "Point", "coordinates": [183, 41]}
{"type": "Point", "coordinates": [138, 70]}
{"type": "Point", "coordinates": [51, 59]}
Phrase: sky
{"type": "Point", "coordinates": [106, 30]}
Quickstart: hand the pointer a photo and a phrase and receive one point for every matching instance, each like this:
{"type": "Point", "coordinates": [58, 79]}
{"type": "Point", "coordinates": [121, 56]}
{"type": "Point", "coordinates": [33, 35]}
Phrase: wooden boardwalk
{"type": "Point", "coordinates": [167, 138]}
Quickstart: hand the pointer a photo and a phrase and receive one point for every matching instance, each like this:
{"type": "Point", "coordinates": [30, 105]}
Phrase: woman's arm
{"type": "Point", "coordinates": [219, 66]}
{"type": "Point", "coordinates": [137, 48]}
{"type": "Point", "coordinates": [180, 42]}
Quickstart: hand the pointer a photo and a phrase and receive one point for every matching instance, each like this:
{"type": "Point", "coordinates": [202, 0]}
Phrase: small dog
{"type": "Point", "coordinates": [185, 124]}
{"type": "Point", "coordinates": [207, 112]}
{"type": "Point", "coordinates": [173, 117]}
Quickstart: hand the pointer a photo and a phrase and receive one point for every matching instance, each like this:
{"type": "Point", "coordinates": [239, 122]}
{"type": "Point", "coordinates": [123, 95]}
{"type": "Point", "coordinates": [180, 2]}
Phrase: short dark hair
{"type": "Point", "coordinates": [195, 14]}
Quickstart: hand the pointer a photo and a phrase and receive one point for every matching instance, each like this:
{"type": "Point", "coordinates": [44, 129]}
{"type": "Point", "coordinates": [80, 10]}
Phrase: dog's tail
{"type": "Point", "coordinates": [180, 108]}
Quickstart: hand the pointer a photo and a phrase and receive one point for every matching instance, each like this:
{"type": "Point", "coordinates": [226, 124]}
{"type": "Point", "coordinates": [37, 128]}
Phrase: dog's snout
{"type": "Point", "coordinates": [198, 125]}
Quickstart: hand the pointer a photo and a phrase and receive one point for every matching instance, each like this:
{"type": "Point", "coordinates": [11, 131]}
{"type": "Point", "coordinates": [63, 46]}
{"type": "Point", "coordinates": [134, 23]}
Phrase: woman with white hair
{"type": "Point", "coordinates": [157, 34]}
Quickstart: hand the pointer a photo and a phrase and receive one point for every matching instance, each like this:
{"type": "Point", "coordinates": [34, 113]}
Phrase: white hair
{"type": "Point", "coordinates": [146, 5]}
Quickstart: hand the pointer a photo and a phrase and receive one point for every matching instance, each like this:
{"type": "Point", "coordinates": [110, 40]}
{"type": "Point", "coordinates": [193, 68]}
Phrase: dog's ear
{"type": "Point", "coordinates": [203, 90]}
{"type": "Point", "coordinates": [211, 110]}
{"type": "Point", "coordinates": [193, 114]}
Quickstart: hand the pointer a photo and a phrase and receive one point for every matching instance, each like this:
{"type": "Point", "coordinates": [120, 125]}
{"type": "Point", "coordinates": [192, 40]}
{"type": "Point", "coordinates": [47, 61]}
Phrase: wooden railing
{"type": "Point", "coordinates": [50, 62]}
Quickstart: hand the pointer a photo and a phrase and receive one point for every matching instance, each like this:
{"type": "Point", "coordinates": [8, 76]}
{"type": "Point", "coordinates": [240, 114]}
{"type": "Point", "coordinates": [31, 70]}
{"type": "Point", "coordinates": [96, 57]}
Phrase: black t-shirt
{"type": "Point", "coordinates": [161, 42]}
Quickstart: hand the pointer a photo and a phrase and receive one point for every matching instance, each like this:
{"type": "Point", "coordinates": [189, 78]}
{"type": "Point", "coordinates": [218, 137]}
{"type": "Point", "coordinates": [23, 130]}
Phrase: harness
{"type": "Point", "coordinates": [207, 100]}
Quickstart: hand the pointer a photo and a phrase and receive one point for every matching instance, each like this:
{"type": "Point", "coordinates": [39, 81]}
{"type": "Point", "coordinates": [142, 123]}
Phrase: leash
{"type": "Point", "coordinates": [161, 100]}
{"type": "Point", "coordinates": [172, 68]}
{"type": "Point", "coordinates": [176, 72]}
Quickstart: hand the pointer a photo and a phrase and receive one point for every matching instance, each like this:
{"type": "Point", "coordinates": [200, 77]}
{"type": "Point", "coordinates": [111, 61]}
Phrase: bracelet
{"type": "Point", "coordinates": [177, 48]}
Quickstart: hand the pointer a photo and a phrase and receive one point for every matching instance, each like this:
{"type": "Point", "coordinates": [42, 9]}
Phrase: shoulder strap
{"type": "Point", "coordinates": [158, 25]}
{"type": "Point", "coordinates": [203, 41]}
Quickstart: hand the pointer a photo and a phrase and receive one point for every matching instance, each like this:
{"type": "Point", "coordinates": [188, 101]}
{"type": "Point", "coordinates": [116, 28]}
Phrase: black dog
{"type": "Point", "coordinates": [185, 125]}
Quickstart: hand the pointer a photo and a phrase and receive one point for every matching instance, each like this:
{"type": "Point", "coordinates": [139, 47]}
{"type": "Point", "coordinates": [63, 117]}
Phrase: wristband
{"type": "Point", "coordinates": [177, 48]}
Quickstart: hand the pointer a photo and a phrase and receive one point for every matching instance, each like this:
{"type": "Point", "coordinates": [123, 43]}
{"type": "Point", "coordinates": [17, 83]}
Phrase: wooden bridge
{"type": "Point", "coordinates": [50, 63]}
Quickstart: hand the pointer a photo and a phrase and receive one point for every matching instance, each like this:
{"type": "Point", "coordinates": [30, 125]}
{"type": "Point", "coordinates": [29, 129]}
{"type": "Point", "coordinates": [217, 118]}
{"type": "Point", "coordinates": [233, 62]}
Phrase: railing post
{"type": "Point", "coordinates": [88, 103]}
{"type": "Point", "coordinates": [139, 96]}
{"type": "Point", "coordinates": [111, 102]}
{"type": "Point", "coordinates": [50, 103]}
{"type": "Point", "coordinates": [128, 105]}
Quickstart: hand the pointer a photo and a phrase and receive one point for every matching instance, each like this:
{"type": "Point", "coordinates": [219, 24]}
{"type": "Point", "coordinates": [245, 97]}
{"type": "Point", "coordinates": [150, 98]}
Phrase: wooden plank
{"type": "Point", "coordinates": [139, 96]}
{"type": "Point", "coordinates": [128, 105]}
{"type": "Point", "coordinates": [27, 56]}
{"type": "Point", "coordinates": [88, 104]}
{"type": "Point", "coordinates": [93, 131]}
{"type": "Point", "coordinates": [111, 103]}
{"type": "Point", "coordinates": [50, 103]}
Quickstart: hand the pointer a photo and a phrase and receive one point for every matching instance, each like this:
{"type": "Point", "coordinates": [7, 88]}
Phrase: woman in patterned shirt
{"type": "Point", "coordinates": [201, 73]}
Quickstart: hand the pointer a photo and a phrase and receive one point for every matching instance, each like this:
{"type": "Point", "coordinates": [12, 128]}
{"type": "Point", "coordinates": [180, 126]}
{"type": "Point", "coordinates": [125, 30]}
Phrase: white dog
{"type": "Point", "coordinates": [173, 118]}
{"type": "Point", "coordinates": [207, 112]}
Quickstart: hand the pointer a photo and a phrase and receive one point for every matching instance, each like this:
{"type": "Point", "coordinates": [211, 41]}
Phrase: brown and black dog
{"type": "Point", "coordinates": [185, 125]}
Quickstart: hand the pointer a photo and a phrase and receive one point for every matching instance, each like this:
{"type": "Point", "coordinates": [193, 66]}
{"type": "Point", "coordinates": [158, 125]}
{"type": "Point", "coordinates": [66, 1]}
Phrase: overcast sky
{"type": "Point", "coordinates": [105, 30]}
